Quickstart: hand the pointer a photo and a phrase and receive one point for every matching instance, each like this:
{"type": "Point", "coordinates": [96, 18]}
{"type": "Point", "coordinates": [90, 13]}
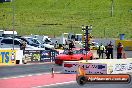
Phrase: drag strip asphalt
{"type": "Point", "coordinates": [20, 70]}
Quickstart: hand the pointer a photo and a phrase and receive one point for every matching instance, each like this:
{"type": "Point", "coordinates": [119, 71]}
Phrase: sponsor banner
{"type": "Point", "coordinates": [90, 68]}
{"type": "Point", "coordinates": [113, 63]}
{"type": "Point", "coordinates": [8, 56]}
{"type": "Point", "coordinates": [45, 55]}
{"type": "Point", "coordinates": [122, 68]}
{"type": "Point", "coordinates": [48, 55]}
{"type": "Point", "coordinates": [105, 78]}
{"type": "Point", "coordinates": [40, 55]}
{"type": "Point", "coordinates": [32, 55]}
{"type": "Point", "coordinates": [70, 67]}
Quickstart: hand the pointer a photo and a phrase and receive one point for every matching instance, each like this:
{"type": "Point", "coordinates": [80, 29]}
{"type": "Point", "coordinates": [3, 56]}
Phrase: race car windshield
{"type": "Point", "coordinates": [72, 51]}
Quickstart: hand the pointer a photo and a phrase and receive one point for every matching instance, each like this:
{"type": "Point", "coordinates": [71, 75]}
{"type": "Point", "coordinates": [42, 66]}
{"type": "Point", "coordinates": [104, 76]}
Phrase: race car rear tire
{"type": "Point", "coordinates": [81, 58]}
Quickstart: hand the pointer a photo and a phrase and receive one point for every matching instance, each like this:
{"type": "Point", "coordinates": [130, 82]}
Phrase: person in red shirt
{"type": "Point", "coordinates": [119, 50]}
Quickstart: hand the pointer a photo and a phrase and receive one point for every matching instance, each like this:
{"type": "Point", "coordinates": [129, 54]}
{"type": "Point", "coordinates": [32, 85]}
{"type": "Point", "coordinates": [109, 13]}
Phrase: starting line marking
{"type": "Point", "coordinates": [55, 84]}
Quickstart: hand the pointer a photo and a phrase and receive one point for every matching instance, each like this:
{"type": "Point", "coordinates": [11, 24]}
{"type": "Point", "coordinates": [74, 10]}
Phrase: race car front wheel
{"type": "Point", "coordinates": [81, 80]}
{"type": "Point", "coordinates": [91, 58]}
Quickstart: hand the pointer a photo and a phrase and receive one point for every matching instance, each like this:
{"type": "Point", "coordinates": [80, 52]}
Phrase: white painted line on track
{"type": "Point", "coordinates": [20, 76]}
{"type": "Point", "coordinates": [26, 64]}
{"type": "Point", "coordinates": [55, 84]}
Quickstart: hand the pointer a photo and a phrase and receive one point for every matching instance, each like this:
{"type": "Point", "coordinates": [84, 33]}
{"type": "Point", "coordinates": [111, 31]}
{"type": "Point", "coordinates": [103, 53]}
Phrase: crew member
{"type": "Point", "coordinates": [119, 50]}
{"type": "Point", "coordinates": [106, 51]}
{"type": "Point", "coordinates": [71, 45]}
{"type": "Point", "coordinates": [110, 51]}
{"type": "Point", "coordinates": [101, 50]}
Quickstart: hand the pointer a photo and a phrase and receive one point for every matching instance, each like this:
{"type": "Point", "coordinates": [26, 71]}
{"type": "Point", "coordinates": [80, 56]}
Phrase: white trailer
{"type": "Point", "coordinates": [7, 33]}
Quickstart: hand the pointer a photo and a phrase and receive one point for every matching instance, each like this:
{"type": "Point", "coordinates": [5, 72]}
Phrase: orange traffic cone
{"type": "Point", "coordinates": [124, 55]}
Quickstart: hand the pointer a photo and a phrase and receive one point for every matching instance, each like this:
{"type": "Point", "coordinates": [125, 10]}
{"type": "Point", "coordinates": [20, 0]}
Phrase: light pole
{"type": "Point", "coordinates": [112, 7]}
{"type": "Point", "coordinates": [13, 21]}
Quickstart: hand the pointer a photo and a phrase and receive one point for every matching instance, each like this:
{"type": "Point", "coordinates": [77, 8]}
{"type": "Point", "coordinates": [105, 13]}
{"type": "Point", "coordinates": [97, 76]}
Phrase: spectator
{"type": "Point", "coordinates": [22, 45]}
{"type": "Point", "coordinates": [101, 50]}
{"type": "Point", "coordinates": [119, 50]}
{"type": "Point", "coordinates": [56, 45]}
{"type": "Point", "coordinates": [71, 45]}
{"type": "Point", "coordinates": [66, 42]}
{"type": "Point", "coordinates": [106, 51]}
{"type": "Point", "coordinates": [110, 51]}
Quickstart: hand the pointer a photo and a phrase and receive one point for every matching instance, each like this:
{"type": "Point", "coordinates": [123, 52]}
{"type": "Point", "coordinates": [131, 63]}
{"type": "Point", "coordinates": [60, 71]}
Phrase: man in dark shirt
{"type": "Point", "coordinates": [71, 45]}
{"type": "Point", "coordinates": [110, 51]}
{"type": "Point", "coordinates": [22, 45]}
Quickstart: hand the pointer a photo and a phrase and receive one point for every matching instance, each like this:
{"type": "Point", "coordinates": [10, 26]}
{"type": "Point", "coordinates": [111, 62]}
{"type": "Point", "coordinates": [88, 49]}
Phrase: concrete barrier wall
{"type": "Point", "coordinates": [114, 66]}
{"type": "Point", "coordinates": [9, 57]}
{"type": "Point", "coordinates": [19, 56]}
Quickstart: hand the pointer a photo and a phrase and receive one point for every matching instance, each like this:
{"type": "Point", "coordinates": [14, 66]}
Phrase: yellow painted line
{"type": "Point", "coordinates": [7, 65]}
